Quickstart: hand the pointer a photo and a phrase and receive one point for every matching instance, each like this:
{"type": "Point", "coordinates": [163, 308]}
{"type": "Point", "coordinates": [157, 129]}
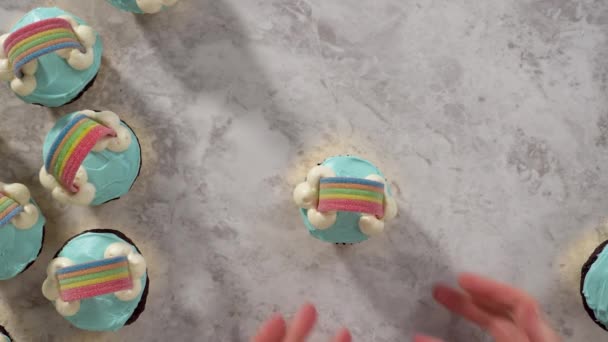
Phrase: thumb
{"type": "Point", "coordinates": [424, 338]}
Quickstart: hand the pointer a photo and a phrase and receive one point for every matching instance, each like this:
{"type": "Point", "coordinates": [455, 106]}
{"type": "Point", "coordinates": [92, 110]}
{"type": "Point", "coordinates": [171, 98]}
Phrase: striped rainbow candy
{"type": "Point", "coordinates": [9, 208]}
{"type": "Point", "coordinates": [71, 147]}
{"type": "Point", "coordinates": [38, 39]}
{"type": "Point", "coordinates": [95, 278]}
{"type": "Point", "coordinates": [351, 194]}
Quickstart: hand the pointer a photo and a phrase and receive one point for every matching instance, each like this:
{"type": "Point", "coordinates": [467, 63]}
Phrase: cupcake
{"type": "Point", "coordinates": [21, 230]}
{"type": "Point", "coordinates": [594, 286]}
{"type": "Point", "coordinates": [4, 335]}
{"type": "Point", "coordinates": [98, 281]}
{"type": "Point", "coordinates": [345, 200]}
{"type": "Point", "coordinates": [142, 6]}
{"type": "Point", "coordinates": [50, 57]}
{"type": "Point", "coordinates": [90, 158]}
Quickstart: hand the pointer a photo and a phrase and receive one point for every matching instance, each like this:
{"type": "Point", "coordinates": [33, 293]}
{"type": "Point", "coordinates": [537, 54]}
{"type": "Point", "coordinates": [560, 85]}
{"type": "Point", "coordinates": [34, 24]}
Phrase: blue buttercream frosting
{"type": "Point", "coordinates": [346, 229]}
{"type": "Point", "coordinates": [595, 287]}
{"type": "Point", "coordinates": [57, 82]}
{"type": "Point", "coordinates": [112, 173]}
{"type": "Point", "coordinates": [107, 312]}
{"type": "Point", "coordinates": [19, 247]}
{"type": "Point", "coordinates": [126, 5]}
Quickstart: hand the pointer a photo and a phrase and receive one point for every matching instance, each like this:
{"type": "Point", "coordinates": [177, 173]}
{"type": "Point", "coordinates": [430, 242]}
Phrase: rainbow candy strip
{"type": "Point", "coordinates": [38, 39]}
{"type": "Point", "coordinates": [351, 194]}
{"type": "Point", "coordinates": [72, 146]}
{"type": "Point", "coordinates": [9, 208]}
{"type": "Point", "coordinates": [95, 278]}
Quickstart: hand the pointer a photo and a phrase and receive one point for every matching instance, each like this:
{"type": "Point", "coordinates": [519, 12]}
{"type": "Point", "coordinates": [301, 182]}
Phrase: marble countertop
{"type": "Point", "coordinates": [490, 118]}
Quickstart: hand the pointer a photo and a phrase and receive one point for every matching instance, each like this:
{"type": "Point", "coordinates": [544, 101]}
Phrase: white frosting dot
{"type": "Point", "coordinates": [30, 68]}
{"type": "Point", "coordinates": [81, 61]}
{"type": "Point", "coordinates": [24, 86]}
{"type": "Point", "coordinates": [321, 220]}
{"type": "Point", "coordinates": [370, 225]}
{"type": "Point", "coordinates": [86, 35]}
{"type": "Point", "coordinates": [150, 6]}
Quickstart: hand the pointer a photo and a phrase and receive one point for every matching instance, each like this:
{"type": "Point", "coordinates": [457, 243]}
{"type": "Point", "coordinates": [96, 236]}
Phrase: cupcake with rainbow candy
{"type": "Point", "coordinates": [98, 281]}
{"type": "Point", "coordinates": [21, 230]}
{"type": "Point", "coordinates": [50, 57]}
{"type": "Point", "coordinates": [345, 200]}
{"type": "Point", "coordinates": [90, 158]}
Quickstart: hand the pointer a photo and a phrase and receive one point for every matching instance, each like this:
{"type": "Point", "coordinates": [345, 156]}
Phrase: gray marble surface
{"type": "Point", "coordinates": [489, 117]}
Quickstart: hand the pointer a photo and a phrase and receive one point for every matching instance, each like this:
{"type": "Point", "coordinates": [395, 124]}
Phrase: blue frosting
{"type": "Point", "coordinates": [595, 287]}
{"type": "Point", "coordinates": [128, 5]}
{"type": "Point", "coordinates": [57, 82]}
{"type": "Point", "coordinates": [112, 173]}
{"type": "Point", "coordinates": [103, 313]}
{"type": "Point", "coordinates": [346, 228]}
{"type": "Point", "coordinates": [4, 338]}
{"type": "Point", "coordinates": [19, 247]}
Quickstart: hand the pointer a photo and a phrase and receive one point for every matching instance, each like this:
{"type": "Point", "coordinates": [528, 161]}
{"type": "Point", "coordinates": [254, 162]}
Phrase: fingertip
{"type": "Point", "coordinates": [439, 287]}
{"type": "Point", "coordinates": [425, 338]}
{"type": "Point", "coordinates": [343, 335]}
{"type": "Point", "coordinates": [441, 292]}
{"type": "Point", "coordinates": [277, 317]}
{"type": "Point", "coordinates": [308, 312]}
{"type": "Point", "coordinates": [302, 323]}
{"type": "Point", "coordinates": [271, 330]}
{"type": "Point", "coordinates": [276, 322]}
{"type": "Point", "coordinates": [309, 308]}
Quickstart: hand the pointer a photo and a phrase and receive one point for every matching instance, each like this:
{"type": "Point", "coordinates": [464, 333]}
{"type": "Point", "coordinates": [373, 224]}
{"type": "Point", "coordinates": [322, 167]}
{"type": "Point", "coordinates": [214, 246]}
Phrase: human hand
{"type": "Point", "coordinates": [506, 313]}
{"type": "Point", "coordinates": [275, 329]}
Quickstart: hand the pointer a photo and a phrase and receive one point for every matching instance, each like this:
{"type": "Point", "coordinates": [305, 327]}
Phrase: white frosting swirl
{"type": "Point", "coordinates": [27, 84]}
{"type": "Point", "coordinates": [120, 142]}
{"type": "Point", "coordinates": [154, 6]}
{"type": "Point", "coordinates": [306, 195]}
{"type": "Point", "coordinates": [50, 288]}
{"type": "Point", "coordinates": [77, 59]}
{"type": "Point", "coordinates": [20, 194]}
{"type": "Point", "coordinates": [86, 190]}
{"type": "Point", "coordinates": [370, 225]}
{"type": "Point", "coordinates": [137, 269]}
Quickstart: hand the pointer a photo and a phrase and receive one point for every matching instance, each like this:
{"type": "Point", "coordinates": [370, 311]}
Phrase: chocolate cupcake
{"type": "Point", "coordinates": [90, 158]}
{"type": "Point", "coordinates": [4, 335]}
{"type": "Point", "coordinates": [21, 230]}
{"type": "Point", "coordinates": [594, 286]}
{"type": "Point", "coordinates": [50, 57]}
{"type": "Point", "coordinates": [98, 281]}
{"type": "Point", "coordinates": [345, 200]}
{"type": "Point", "coordinates": [142, 6]}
